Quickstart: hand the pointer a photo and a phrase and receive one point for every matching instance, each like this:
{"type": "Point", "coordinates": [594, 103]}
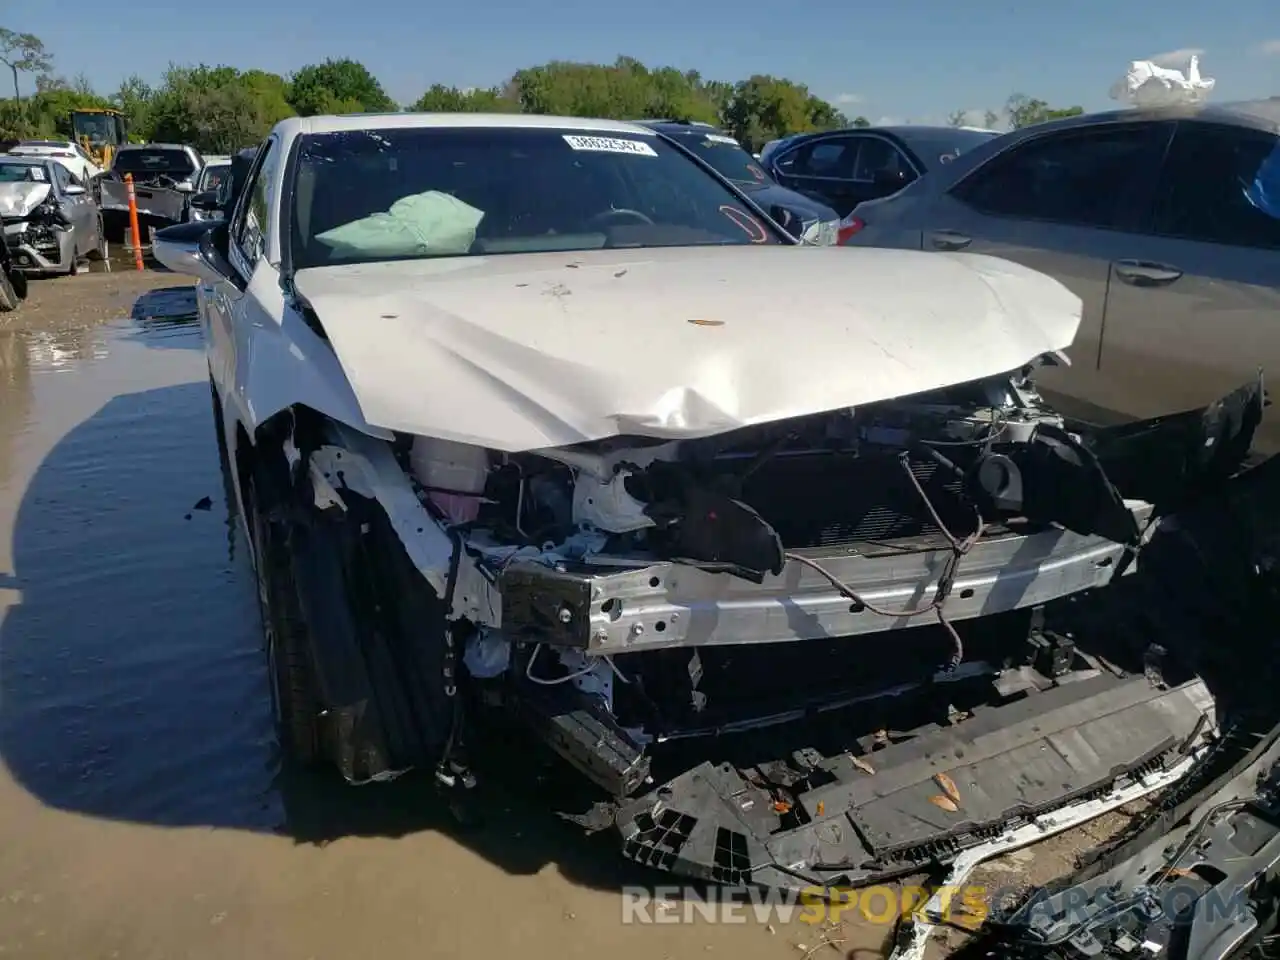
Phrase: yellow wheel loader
{"type": "Point", "coordinates": [100, 132]}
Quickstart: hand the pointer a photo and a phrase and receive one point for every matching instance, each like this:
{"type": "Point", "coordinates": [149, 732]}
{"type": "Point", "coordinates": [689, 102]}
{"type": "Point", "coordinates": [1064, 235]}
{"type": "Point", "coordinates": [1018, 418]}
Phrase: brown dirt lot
{"type": "Point", "coordinates": [84, 301]}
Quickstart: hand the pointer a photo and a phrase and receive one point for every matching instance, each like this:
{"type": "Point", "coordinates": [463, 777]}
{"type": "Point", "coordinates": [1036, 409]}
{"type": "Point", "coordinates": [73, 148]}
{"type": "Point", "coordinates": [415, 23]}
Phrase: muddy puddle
{"type": "Point", "coordinates": [143, 809]}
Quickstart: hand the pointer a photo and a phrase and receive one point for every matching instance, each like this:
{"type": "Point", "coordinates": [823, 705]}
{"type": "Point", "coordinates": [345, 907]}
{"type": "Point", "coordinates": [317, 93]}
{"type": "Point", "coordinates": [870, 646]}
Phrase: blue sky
{"type": "Point", "coordinates": [914, 60]}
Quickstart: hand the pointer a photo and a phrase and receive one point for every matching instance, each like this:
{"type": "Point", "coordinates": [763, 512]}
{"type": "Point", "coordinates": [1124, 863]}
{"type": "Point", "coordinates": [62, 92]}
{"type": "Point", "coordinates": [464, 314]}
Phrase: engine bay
{"type": "Point", "coordinates": [941, 466]}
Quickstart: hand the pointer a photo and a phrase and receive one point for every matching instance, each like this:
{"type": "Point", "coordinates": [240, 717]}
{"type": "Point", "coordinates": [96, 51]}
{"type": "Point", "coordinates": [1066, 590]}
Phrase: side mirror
{"type": "Point", "coordinates": [185, 187]}
{"type": "Point", "coordinates": [74, 190]}
{"type": "Point", "coordinates": [187, 248]}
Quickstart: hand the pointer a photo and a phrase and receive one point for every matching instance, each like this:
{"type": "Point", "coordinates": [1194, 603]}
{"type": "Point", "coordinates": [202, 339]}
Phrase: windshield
{"type": "Point", "coordinates": [21, 173]}
{"type": "Point", "coordinates": [725, 154]}
{"type": "Point", "coordinates": [391, 194]}
{"type": "Point", "coordinates": [936, 147]}
{"type": "Point", "coordinates": [98, 128]}
{"type": "Point", "coordinates": [174, 163]}
{"type": "Point", "coordinates": [213, 176]}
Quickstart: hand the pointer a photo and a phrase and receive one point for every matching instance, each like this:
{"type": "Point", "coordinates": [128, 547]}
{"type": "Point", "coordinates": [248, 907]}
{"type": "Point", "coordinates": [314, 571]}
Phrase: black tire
{"type": "Point", "coordinates": [218, 427]}
{"type": "Point", "coordinates": [9, 298]}
{"type": "Point", "coordinates": [290, 674]}
{"type": "Point", "coordinates": [101, 252]}
{"type": "Point", "coordinates": [73, 268]}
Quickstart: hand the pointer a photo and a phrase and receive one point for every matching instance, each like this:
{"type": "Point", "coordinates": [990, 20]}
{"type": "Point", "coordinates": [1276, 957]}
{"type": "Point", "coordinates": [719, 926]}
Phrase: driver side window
{"type": "Point", "coordinates": [251, 222]}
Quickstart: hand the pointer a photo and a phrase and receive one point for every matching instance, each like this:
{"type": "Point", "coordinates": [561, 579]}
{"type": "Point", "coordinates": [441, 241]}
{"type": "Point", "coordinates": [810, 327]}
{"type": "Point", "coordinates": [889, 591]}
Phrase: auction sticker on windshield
{"type": "Point", "coordinates": [609, 145]}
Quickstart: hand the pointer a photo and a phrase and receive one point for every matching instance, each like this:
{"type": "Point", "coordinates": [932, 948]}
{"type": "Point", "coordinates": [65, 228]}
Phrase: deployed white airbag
{"type": "Point", "coordinates": [1148, 85]}
{"type": "Point", "coordinates": [423, 224]}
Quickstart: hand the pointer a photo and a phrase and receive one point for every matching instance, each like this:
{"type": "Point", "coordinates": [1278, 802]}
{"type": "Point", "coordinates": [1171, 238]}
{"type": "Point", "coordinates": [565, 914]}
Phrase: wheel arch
{"type": "Point", "coordinates": [379, 684]}
{"type": "Point", "coordinates": [248, 451]}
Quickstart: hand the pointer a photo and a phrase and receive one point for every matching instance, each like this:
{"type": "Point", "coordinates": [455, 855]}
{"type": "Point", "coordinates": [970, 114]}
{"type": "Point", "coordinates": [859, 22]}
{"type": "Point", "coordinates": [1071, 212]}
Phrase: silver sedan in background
{"type": "Point", "coordinates": [51, 221]}
{"type": "Point", "coordinates": [1165, 222]}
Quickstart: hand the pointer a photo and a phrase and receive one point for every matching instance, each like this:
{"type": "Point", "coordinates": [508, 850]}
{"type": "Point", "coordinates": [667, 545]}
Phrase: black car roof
{"type": "Point", "coordinates": [1258, 114]}
{"type": "Point", "coordinates": [679, 126]}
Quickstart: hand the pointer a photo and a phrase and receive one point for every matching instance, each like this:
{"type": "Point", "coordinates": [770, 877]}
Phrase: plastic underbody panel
{"type": "Point", "coordinates": [881, 816]}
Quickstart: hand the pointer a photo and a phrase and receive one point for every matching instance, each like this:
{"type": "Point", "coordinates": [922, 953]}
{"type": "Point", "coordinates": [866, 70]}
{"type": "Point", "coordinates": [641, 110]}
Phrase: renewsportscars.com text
{"type": "Point", "coordinates": [966, 905]}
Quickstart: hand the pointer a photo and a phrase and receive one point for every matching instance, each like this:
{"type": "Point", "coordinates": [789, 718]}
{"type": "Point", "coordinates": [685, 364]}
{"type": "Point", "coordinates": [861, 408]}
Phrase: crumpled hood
{"type": "Point", "coordinates": [525, 351]}
{"type": "Point", "coordinates": [19, 199]}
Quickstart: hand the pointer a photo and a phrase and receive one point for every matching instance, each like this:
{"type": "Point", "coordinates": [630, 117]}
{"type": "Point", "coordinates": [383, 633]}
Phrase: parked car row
{"type": "Point", "coordinates": [545, 426]}
{"type": "Point", "coordinates": [58, 207]}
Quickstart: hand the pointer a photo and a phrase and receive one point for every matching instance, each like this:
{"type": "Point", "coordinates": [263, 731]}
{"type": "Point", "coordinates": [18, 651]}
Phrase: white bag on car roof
{"type": "Point", "coordinates": [1148, 85]}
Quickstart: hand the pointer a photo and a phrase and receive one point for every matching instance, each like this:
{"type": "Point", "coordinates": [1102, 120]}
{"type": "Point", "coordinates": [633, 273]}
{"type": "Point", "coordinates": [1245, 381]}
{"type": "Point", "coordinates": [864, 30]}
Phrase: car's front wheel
{"type": "Point", "coordinates": [290, 674]}
{"type": "Point", "coordinates": [8, 294]}
{"type": "Point", "coordinates": [101, 250]}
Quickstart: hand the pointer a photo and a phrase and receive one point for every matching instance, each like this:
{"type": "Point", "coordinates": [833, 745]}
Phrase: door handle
{"type": "Point", "coordinates": [949, 240]}
{"type": "Point", "coordinates": [1143, 273]}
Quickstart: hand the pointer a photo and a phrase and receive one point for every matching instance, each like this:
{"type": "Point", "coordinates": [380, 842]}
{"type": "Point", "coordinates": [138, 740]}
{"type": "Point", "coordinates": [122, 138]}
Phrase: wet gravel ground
{"type": "Point", "coordinates": [143, 810]}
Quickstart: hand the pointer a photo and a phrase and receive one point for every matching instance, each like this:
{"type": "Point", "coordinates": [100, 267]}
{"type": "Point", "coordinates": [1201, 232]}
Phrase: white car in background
{"type": "Point", "coordinates": [66, 152]}
{"type": "Point", "coordinates": [209, 185]}
{"type": "Point", "coordinates": [537, 421]}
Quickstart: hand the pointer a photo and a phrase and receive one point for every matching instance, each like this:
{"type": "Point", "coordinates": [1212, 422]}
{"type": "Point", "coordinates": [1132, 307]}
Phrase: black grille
{"type": "Point", "coordinates": [816, 500]}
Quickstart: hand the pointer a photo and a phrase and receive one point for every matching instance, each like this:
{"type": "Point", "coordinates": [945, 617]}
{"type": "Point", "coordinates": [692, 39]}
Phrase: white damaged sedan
{"type": "Point", "coordinates": [538, 424]}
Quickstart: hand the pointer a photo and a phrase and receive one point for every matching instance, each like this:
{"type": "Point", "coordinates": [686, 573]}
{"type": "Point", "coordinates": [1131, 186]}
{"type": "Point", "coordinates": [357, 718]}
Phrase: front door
{"type": "Point", "coordinates": [1065, 204]}
{"type": "Point", "coordinates": [1193, 305]}
{"type": "Point", "coordinates": [80, 206]}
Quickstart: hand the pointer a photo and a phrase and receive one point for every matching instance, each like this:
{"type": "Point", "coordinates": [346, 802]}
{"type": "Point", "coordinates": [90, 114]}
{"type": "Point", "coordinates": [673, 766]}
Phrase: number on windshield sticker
{"type": "Point", "coordinates": [610, 145]}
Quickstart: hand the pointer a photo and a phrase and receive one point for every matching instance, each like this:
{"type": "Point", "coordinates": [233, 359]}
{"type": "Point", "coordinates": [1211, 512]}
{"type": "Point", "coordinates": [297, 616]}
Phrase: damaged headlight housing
{"type": "Point", "coordinates": [51, 212]}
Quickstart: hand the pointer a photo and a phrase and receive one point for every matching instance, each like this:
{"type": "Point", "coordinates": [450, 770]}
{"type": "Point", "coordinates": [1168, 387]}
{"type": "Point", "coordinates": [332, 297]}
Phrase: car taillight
{"type": "Point", "coordinates": [848, 227]}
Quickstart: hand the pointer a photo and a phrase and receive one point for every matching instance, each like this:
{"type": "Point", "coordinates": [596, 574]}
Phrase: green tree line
{"type": "Point", "coordinates": [1019, 111]}
{"type": "Point", "coordinates": [219, 109]}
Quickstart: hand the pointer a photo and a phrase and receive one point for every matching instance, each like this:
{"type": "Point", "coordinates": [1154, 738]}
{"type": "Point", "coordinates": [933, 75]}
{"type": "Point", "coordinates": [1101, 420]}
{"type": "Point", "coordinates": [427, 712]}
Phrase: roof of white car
{"type": "Point", "coordinates": [407, 121]}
